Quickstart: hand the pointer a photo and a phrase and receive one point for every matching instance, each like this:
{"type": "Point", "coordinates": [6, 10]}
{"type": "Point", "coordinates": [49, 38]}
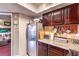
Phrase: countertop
{"type": "Point", "coordinates": [69, 36]}
{"type": "Point", "coordinates": [66, 46]}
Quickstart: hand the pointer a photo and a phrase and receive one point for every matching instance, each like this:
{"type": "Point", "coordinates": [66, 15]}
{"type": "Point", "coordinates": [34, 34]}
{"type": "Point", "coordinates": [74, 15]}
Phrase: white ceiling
{"type": "Point", "coordinates": [38, 7]}
{"type": "Point", "coordinates": [36, 4]}
{"type": "Point", "coordinates": [31, 9]}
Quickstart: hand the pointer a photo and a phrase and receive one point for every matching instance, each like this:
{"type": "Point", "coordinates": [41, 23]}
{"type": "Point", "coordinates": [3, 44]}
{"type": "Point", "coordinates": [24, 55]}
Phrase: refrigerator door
{"type": "Point", "coordinates": [32, 40]}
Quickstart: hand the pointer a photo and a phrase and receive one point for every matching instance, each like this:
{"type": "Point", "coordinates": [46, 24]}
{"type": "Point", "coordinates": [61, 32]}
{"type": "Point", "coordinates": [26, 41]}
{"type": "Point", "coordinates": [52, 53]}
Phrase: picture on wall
{"type": "Point", "coordinates": [6, 23]}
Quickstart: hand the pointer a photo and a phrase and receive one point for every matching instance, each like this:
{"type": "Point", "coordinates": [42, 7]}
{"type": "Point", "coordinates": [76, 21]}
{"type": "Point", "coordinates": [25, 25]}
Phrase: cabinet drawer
{"type": "Point", "coordinates": [52, 50]}
{"type": "Point", "coordinates": [54, 53]}
{"type": "Point", "coordinates": [42, 49]}
{"type": "Point", "coordinates": [55, 48]}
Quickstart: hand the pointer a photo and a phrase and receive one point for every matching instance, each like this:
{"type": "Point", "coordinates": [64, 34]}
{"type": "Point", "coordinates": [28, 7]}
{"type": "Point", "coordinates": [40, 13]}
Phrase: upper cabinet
{"type": "Point", "coordinates": [70, 14]}
{"type": "Point", "coordinates": [65, 15]}
{"type": "Point", "coordinates": [57, 17]}
{"type": "Point", "coordinates": [73, 14]}
{"type": "Point", "coordinates": [47, 19]}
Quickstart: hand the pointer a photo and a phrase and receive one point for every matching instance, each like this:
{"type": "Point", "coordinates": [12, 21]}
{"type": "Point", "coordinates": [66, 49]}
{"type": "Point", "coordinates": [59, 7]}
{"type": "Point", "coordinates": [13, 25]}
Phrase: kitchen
{"type": "Point", "coordinates": [60, 36]}
{"type": "Point", "coordinates": [43, 29]}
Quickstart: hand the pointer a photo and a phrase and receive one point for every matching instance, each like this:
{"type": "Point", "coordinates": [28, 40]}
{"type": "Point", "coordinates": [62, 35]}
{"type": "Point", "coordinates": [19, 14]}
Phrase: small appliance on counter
{"type": "Point", "coordinates": [41, 34]}
{"type": "Point", "coordinates": [46, 37]}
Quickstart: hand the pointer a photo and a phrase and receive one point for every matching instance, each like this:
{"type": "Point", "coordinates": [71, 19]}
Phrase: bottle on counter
{"type": "Point", "coordinates": [53, 33]}
{"type": "Point", "coordinates": [52, 36]}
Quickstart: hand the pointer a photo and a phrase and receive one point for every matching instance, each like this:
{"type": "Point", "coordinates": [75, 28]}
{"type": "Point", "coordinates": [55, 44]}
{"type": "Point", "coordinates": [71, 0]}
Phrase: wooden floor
{"type": "Point", "coordinates": [5, 50]}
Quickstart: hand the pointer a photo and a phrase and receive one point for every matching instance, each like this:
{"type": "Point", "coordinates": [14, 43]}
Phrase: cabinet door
{"type": "Point", "coordinates": [70, 14]}
{"type": "Point", "coordinates": [42, 49]}
{"type": "Point", "coordinates": [57, 17]}
{"type": "Point", "coordinates": [55, 51]}
{"type": "Point", "coordinates": [73, 14]}
{"type": "Point", "coordinates": [50, 19]}
{"type": "Point", "coordinates": [65, 15]}
{"type": "Point", "coordinates": [45, 23]}
{"type": "Point", "coordinates": [47, 19]}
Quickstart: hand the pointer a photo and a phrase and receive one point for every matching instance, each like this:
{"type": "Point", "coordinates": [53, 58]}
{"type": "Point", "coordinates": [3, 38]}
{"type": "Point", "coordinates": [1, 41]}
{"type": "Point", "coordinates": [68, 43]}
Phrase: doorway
{"type": "Point", "coordinates": [5, 34]}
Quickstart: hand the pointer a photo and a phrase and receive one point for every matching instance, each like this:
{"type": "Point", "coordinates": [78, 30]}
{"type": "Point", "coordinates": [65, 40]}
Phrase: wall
{"type": "Point", "coordinates": [19, 42]}
{"type": "Point", "coordinates": [14, 35]}
{"type": "Point", "coordinates": [23, 21]}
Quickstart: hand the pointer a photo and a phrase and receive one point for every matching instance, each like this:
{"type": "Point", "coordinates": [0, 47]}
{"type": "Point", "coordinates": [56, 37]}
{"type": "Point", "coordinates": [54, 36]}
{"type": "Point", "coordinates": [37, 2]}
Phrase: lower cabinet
{"type": "Point", "coordinates": [42, 49]}
{"type": "Point", "coordinates": [56, 51]}
{"type": "Point", "coordinates": [49, 50]}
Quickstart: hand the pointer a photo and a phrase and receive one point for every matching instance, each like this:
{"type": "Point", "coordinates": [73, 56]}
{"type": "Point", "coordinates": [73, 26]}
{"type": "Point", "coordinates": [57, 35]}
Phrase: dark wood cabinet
{"type": "Point", "coordinates": [42, 49]}
{"type": "Point", "coordinates": [70, 14]}
{"type": "Point", "coordinates": [57, 17]}
{"type": "Point", "coordinates": [65, 15]}
{"type": "Point", "coordinates": [49, 50]}
{"type": "Point", "coordinates": [47, 19]}
{"type": "Point", "coordinates": [53, 18]}
{"type": "Point", "coordinates": [56, 51]}
{"type": "Point", "coordinates": [73, 14]}
{"type": "Point", "coordinates": [44, 20]}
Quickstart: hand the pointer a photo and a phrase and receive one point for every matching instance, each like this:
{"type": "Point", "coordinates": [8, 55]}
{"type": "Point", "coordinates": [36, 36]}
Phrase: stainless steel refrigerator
{"type": "Point", "coordinates": [32, 30]}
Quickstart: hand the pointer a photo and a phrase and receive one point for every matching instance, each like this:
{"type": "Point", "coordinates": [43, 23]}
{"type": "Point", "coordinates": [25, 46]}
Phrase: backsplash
{"type": "Point", "coordinates": [63, 28]}
{"type": "Point", "coordinates": [67, 31]}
